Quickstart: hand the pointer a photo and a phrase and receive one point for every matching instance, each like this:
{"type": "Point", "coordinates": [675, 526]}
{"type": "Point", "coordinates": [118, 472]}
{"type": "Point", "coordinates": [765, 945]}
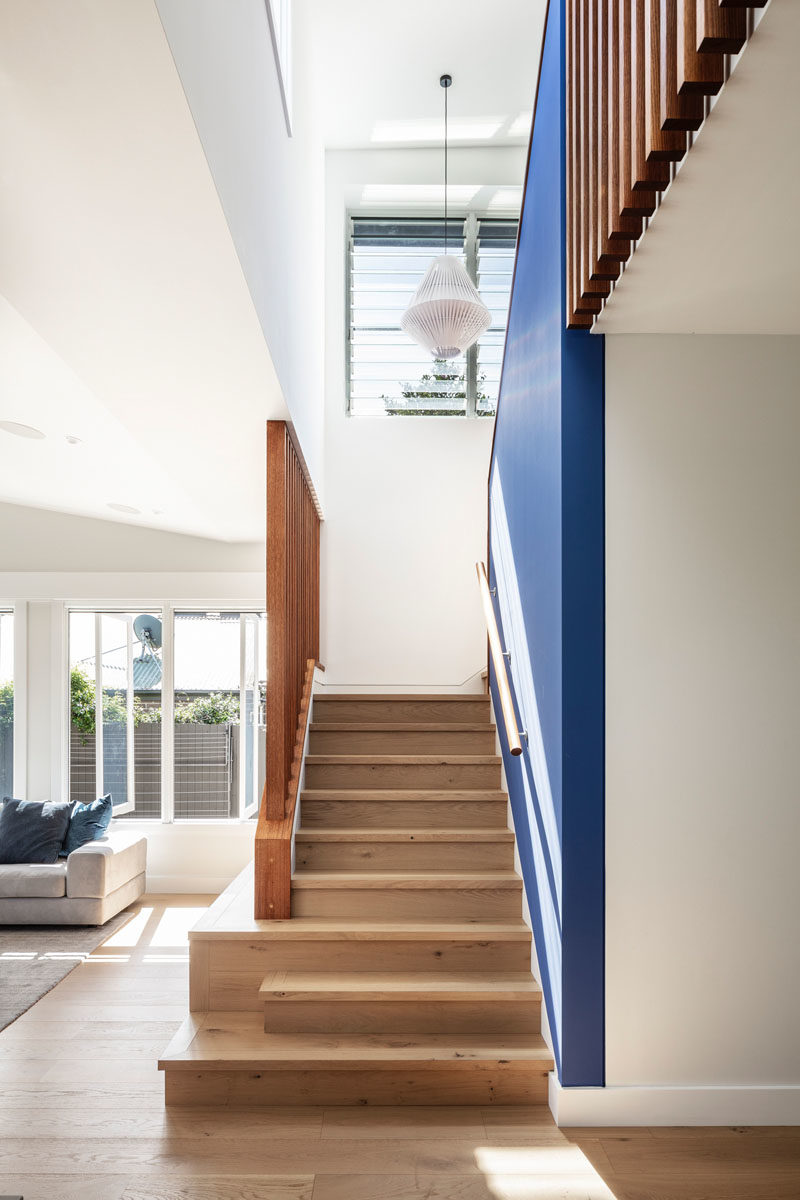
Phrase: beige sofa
{"type": "Point", "coordinates": [86, 888]}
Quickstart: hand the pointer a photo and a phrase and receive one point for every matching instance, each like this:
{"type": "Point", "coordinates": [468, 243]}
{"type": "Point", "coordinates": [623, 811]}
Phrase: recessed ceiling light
{"type": "Point", "coordinates": [26, 431]}
{"type": "Point", "coordinates": [74, 441]}
{"type": "Point", "coordinates": [126, 508]}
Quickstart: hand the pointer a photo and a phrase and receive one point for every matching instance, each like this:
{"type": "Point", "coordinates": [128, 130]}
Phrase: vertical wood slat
{"type": "Point", "coordinates": [293, 526]}
{"type": "Point", "coordinates": [679, 110]}
{"type": "Point", "coordinates": [638, 74]}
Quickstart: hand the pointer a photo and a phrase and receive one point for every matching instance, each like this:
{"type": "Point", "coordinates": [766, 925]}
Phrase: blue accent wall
{"type": "Point", "coordinates": [547, 562]}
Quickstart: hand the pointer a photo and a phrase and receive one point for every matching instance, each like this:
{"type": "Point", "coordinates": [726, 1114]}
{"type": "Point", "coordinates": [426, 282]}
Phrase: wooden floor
{"type": "Point", "coordinates": [82, 1117]}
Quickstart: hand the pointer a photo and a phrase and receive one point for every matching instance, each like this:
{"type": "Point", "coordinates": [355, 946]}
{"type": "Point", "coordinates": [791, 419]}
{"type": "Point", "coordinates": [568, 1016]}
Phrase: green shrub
{"type": "Point", "coordinates": [6, 704]}
{"type": "Point", "coordinates": [220, 708]}
{"type": "Point", "coordinates": [81, 702]}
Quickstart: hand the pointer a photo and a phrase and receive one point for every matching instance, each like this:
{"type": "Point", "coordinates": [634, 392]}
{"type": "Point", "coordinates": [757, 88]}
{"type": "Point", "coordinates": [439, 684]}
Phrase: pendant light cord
{"type": "Point", "coordinates": [445, 168]}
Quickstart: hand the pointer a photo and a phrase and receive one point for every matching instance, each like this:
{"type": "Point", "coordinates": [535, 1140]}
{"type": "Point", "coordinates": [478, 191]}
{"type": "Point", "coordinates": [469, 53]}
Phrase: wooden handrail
{"type": "Point", "coordinates": [293, 534]}
{"type": "Point", "coordinates": [496, 648]}
{"type": "Point", "coordinates": [273, 849]}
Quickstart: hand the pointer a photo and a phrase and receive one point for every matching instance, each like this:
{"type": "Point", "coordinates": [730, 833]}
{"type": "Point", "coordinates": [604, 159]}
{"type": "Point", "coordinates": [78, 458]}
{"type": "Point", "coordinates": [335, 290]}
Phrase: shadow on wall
{"type": "Point", "coordinates": [528, 776]}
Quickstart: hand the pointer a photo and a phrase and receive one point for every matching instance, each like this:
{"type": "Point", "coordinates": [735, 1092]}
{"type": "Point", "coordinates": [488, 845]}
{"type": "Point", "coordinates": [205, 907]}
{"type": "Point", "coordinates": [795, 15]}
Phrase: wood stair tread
{"type": "Point", "coordinates": [482, 795]}
{"type": "Point", "coordinates": [234, 1040]}
{"type": "Point", "coordinates": [351, 929]}
{"type": "Point", "coordinates": [418, 986]}
{"type": "Point", "coordinates": [404, 697]}
{"type": "Point", "coordinates": [399, 727]}
{"type": "Point", "coordinates": [382, 834]}
{"type": "Point", "coordinates": [425, 760]}
{"type": "Point", "coordinates": [407, 879]}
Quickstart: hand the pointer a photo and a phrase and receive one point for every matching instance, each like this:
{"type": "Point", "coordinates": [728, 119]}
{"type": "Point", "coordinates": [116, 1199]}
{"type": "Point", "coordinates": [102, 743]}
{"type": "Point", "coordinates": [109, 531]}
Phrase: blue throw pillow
{"type": "Point", "coordinates": [32, 831]}
{"type": "Point", "coordinates": [87, 823]}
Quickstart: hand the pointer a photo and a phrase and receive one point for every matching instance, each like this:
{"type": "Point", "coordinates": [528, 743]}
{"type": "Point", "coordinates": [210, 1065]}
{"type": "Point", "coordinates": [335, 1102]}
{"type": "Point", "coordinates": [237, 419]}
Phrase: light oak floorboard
{"type": "Point", "coordinates": [458, 1187]}
{"type": "Point", "coordinates": [78, 1124]}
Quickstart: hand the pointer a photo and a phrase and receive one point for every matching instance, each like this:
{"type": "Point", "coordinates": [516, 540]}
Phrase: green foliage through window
{"type": "Point", "coordinates": [218, 708]}
{"type": "Point", "coordinates": [6, 704]}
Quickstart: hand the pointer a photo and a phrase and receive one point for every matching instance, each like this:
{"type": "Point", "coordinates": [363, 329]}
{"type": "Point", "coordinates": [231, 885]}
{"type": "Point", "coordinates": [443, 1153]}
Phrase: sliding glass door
{"type": "Point", "coordinates": [190, 749]}
{"type": "Point", "coordinates": [115, 690]}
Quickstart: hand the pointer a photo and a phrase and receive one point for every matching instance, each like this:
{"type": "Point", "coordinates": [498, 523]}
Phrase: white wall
{"type": "Point", "coordinates": [703, 711]}
{"type": "Point", "coordinates": [271, 185]}
{"type": "Point", "coordinates": [405, 501]}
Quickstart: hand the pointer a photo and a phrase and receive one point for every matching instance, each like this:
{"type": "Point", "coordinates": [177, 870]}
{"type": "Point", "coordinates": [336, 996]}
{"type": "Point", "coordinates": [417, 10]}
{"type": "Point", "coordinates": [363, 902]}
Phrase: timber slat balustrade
{"type": "Point", "coordinates": [293, 523]}
{"type": "Point", "coordinates": [639, 73]}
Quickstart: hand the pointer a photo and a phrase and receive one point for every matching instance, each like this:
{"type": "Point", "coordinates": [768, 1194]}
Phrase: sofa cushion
{"type": "Point", "coordinates": [40, 880]}
{"type": "Point", "coordinates": [87, 822]}
{"type": "Point", "coordinates": [32, 831]}
{"type": "Point", "coordinates": [99, 868]}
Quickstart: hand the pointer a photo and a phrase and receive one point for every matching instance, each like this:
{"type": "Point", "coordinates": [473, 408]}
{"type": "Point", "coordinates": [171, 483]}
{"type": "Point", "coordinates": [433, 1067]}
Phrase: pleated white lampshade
{"type": "Point", "coordinates": [446, 314]}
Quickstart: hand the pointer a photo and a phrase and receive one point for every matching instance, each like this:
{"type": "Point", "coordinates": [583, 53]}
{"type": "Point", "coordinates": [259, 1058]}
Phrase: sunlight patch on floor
{"type": "Point", "coordinates": [540, 1173]}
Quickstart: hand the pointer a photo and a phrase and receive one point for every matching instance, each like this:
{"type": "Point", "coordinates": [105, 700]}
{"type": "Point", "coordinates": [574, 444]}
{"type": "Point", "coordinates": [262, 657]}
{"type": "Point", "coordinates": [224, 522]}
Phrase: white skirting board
{"type": "Point", "coordinates": [763, 1105]}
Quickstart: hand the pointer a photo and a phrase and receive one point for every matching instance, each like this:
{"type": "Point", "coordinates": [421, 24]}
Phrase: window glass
{"type": "Point", "coordinates": [115, 656]}
{"type": "Point", "coordinates": [6, 702]}
{"type": "Point", "coordinates": [388, 373]}
{"type": "Point", "coordinates": [219, 730]}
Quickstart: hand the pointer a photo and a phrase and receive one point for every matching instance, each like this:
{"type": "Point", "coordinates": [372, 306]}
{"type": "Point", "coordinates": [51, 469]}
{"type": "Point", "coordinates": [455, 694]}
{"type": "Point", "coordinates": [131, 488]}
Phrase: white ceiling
{"type": "Point", "coordinates": [722, 254]}
{"type": "Point", "coordinates": [376, 67]}
{"type": "Point", "coordinates": [126, 319]}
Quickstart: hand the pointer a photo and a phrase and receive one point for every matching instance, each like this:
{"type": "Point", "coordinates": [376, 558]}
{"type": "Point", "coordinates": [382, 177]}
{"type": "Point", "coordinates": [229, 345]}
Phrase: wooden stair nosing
{"type": "Point", "coordinates": [404, 697]}
{"type": "Point", "coordinates": [408, 880]}
{"type": "Point", "coordinates": [417, 987]}
{"type": "Point", "coordinates": [411, 795]}
{"type": "Point", "coordinates": [404, 836]}
{"type": "Point", "coordinates": [400, 727]}
{"type": "Point", "coordinates": [347, 929]}
{"type": "Point", "coordinates": [403, 760]}
{"type": "Point", "coordinates": [220, 1041]}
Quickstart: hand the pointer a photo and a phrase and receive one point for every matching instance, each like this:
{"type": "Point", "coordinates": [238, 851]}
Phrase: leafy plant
{"type": "Point", "coordinates": [6, 704]}
{"type": "Point", "coordinates": [219, 708]}
{"type": "Point", "coordinates": [443, 383]}
{"type": "Point", "coordinates": [81, 702]}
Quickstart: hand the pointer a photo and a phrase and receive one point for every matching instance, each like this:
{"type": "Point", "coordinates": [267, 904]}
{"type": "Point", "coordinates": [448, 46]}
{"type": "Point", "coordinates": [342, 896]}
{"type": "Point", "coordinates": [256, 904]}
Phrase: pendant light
{"type": "Point", "coordinates": [446, 314]}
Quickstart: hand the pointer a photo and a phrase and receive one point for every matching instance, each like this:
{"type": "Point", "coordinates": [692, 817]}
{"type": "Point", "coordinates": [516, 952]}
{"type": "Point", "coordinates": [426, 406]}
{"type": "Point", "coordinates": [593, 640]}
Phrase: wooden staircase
{"type": "Point", "coordinates": [404, 975]}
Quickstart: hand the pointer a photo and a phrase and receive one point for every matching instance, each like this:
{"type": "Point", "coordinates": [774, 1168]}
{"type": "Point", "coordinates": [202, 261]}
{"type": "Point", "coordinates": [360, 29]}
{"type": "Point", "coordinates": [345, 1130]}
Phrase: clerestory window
{"type": "Point", "coordinates": [387, 373]}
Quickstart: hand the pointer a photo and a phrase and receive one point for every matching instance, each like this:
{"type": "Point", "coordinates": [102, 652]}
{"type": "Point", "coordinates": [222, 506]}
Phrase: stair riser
{"type": "Point", "coordinates": [399, 814]}
{"type": "Point", "coordinates": [227, 975]}
{"type": "Point", "coordinates": [423, 741]}
{"type": "Point", "coordinates": [403, 712]}
{"type": "Point", "coordinates": [326, 1016]}
{"type": "Point", "coordinates": [405, 856]}
{"type": "Point", "coordinates": [444, 776]}
{"type": "Point", "coordinates": [462, 1083]}
{"type": "Point", "coordinates": [398, 904]}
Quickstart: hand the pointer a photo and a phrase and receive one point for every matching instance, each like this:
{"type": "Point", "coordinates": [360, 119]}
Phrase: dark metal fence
{"type": "Point", "coordinates": [206, 770]}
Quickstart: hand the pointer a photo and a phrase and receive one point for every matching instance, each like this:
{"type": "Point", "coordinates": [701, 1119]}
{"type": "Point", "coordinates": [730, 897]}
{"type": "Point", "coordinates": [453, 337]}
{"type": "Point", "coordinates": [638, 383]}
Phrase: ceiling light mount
{"type": "Point", "coordinates": [446, 314]}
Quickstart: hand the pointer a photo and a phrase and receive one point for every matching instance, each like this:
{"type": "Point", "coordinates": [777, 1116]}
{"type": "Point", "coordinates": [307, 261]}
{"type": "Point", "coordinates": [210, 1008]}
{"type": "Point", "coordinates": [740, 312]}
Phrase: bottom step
{"type": "Point", "coordinates": [226, 1058]}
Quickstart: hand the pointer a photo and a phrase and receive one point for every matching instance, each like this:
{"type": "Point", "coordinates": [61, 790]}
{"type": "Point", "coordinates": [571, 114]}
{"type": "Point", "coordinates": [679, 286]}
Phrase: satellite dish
{"type": "Point", "coordinates": [148, 631]}
{"type": "Point", "coordinates": [147, 667]}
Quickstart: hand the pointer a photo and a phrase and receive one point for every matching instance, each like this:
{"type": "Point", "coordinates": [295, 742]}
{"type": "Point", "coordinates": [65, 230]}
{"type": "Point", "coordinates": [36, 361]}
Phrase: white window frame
{"type": "Point", "coordinates": [19, 676]}
{"type": "Point", "coordinates": [471, 221]}
{"type": "Point", "coordinates": [61, 694]}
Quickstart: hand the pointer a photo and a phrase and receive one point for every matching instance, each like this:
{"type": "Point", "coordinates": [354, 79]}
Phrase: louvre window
{"type": "Point", "coordinates": [388, 373]}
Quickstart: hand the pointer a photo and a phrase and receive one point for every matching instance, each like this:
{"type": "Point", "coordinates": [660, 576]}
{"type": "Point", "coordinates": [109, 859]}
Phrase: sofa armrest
{"type": "Point", "coordinates": [100, 867]}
